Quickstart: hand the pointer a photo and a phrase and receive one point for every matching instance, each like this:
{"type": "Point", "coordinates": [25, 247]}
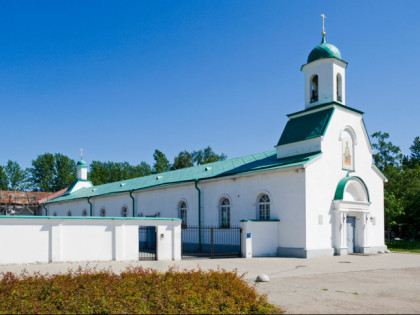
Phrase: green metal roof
{"type": "Point", "coordinates": [339, 192]}
{"type": "Point", "coordinates": [306, 127]}
{"type": "Point", "coordinates": [326, 105]}
{"type": "Point", "coordinates": [81, 163]}
{"type": "Point", "coordinates": [240, 165]}
{"type": "Point", "coordinates": [36, 217]}
{"type": "Point", "coordinates": [324, 50]}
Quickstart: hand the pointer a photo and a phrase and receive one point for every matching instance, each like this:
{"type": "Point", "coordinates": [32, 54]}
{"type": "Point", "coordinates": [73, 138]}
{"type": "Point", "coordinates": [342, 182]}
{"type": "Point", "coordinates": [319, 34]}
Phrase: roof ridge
{"type": "Point", "coordinates": [181, 169]}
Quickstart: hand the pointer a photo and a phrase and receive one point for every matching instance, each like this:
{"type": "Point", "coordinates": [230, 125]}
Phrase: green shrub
{"type": "Point", "coordinates": [135, 290]}
{"type": "Point", "coordinates": [404, 246]}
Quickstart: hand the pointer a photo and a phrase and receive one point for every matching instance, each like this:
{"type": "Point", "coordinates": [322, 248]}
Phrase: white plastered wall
{"type": "Point", "coordinates": [322, 178]}
{"type": "Point", "coordinates": [327, 70]}
{"type": "Point", "coordinates": [50, 239]}
{"type": "Point", "coordinates": [285, 188]}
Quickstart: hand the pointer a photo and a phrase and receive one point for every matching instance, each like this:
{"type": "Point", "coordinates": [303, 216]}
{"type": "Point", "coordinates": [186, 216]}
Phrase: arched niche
{"type": "Point", "coordinates": [348, 141]}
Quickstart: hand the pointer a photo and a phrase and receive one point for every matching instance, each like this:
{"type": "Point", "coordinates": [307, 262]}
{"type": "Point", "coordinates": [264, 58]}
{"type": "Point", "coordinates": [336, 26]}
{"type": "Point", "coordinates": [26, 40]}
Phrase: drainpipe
{"type": "Point", "coordinates": [91, 212]}
{"type": "Point", "coordinates": [199, 212]}
{"type": "Point", "coordinates": [46, 210]}
{"type": "Point", "coordinates": [131, 191]}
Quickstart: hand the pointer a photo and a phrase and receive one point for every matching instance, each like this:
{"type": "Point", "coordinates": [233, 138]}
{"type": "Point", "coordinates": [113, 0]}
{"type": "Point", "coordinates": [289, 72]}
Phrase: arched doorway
{"type": "Point", "coordinates": [351, 206]}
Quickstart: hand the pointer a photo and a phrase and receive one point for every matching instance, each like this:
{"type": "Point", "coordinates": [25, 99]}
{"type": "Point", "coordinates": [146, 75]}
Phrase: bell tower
{"type": "Point", "coordinates": [81, 168]}
{"type": "Point", "coordinates": [325, 74]}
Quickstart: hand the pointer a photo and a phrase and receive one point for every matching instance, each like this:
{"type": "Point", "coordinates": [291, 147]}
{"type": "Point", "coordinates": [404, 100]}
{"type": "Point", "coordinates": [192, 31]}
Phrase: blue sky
{"type": "Point", "coordinates": [124, 78]}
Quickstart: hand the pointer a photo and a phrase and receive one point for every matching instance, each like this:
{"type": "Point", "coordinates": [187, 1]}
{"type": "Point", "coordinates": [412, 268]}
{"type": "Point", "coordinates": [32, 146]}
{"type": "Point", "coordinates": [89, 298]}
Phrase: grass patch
{"type": "Point", "coordinates": [136, 290]}
{"type": "Point", "coordinates": [404, 246]}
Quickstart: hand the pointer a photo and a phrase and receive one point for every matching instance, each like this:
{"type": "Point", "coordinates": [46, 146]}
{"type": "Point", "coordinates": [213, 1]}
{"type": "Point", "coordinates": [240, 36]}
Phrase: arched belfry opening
{"type": "Point", "coordinates": [314, 89]}
{"type": "Point", "coordinates": [339, 88]}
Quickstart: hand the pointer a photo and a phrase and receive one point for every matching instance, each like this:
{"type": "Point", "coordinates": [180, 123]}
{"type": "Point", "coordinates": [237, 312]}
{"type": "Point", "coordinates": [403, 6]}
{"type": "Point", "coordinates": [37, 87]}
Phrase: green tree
{"type": "Point", "coordinates": [98, 173]}
{"type": "Point", "coordinates": [16, 177]}
{"type": "Point", "coordinates": [393, 211]}
{"type": "Point", "coordinates": [108, 172]}
{"type": "Point", "coordinates": [413, 159]}
{"type": "Point", "coordinates": [415, 150]}
{"type": "Point", "coordinates": [207, 155]}
{"type": "Point", "coordinates": [183, 160]}
{"type": "Point", "coordinates": [388, 159]}
{"type": "Point", "coordinates": [402, 192]}
{"type": "Point", "coordinates": [105, 172]}
{"type": "Point", "coordinates": [65, 171]}
{"type": "Point", "coordinates": [410, 191]}
{"type": "Point", "coordinates": [43, 172]}
{"type": "Point", "coordinates": [52, 172]}
{"type": "Point", "coordinates": [143, 169]}
{"type": "Point", "coordinates": [3, 179]}
{"type": "Point", "coordinates": [161, 162]}
{"type": "Point", "coordinates": [388, 155]}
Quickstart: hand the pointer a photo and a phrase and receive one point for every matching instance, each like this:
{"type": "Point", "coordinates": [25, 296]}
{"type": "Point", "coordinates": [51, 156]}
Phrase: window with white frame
{"type": "Point", "coordinates": [264, 207]}
{"type": "Point", "coordinates": [102, 212]}
{"type": "Point", "coordinates": [124, 211]}
{"type": "Point", "coordinates": [182, 212]}
{"type": "Point", "coordinates": [224, 212]}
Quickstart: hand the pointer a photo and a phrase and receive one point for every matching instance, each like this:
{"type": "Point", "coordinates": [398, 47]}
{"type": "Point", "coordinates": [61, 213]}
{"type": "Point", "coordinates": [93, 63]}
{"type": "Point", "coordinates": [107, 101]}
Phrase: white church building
{"type": "Point", "coordinates": [317, 194]}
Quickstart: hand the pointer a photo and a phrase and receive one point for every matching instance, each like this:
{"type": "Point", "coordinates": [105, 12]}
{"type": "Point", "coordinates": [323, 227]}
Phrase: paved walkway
{"type": "Point", "coordinates": [387, 283]}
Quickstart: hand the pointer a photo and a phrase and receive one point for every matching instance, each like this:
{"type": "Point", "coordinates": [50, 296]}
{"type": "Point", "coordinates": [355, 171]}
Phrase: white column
{"type": "Point", "coordinates": [118, 242]}
{"type": "Point", "coordinates": [55, 242]}
{"type": "Point", "coordinates": [163, 243]}
{"type": "Point", "coordinates": [340, 231]}
{"type": "Point", "coordinates": [246, 241]}
{"type": "Point", "coordinates": [176, 241]}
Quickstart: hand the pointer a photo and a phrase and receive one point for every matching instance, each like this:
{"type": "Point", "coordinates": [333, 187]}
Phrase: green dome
{"type": "Point", "coordinates": [324, 50]}
{"type": "Point", "coordinates": [81, 163]}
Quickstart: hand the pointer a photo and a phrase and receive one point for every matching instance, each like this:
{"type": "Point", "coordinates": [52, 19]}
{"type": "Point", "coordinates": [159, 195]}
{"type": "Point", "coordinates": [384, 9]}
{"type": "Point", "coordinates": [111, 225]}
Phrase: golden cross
{"type": "Point", "coordinates": [81, 153]}
{"type": "Point", "coordinates": [323, 25]}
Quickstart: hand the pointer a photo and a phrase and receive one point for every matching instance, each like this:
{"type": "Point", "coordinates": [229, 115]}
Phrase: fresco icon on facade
{"type": "Point", "coordinates": [347, 156]}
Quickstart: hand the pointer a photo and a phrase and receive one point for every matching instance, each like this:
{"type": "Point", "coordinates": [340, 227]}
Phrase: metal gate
{"type": "Point", "coordinates": [147, 243]}
{"type": "Point", "coordinates": [211, 242]}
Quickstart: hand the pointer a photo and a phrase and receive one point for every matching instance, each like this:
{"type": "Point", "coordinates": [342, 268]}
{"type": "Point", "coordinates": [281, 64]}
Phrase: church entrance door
{"type": "Point", "coordinates": [350, 222]}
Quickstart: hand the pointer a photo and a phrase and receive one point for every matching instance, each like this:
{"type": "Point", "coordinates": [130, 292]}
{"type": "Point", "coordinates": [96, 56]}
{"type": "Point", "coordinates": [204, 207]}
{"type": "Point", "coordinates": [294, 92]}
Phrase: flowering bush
{"type": "Point", "coordinates": [135, 290]}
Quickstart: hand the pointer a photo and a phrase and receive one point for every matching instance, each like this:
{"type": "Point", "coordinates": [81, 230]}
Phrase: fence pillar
{"type": "Point", "coordinates": [246, 241]}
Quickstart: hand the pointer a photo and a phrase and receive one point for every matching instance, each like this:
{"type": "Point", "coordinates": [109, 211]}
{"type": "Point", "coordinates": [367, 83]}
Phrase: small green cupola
{"type": "Point", "coordinates": [81, 163]}
{"type": "Point", "coordinates": [324, 50]}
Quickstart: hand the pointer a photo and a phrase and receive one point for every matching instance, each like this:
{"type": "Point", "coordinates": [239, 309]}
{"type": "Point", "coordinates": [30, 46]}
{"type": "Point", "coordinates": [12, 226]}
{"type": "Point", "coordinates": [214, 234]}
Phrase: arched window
{"type": "Point", "coordinates": [102, 212]}
{"type": "Point", "coordinates": [314, 89]}
{"type": "Point", "coordinates": [264, 207]}
{"type": "Point", "coordinates": [69, 213]}
{"type": "Point", "coordinates": [339, 88]}
{"type": "Point", "coordinates": [182, 212]}
{"type": "Point", "coordinates": [84, 213]}
{"type": "Point", "coordinates": [124, 211]}
{"type": "Point", "coordinates": [224, 212]}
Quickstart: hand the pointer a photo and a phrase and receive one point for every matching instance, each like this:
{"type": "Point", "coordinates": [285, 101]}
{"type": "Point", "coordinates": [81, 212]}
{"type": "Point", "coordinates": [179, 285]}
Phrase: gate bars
{"type": "Point", "coordinates": [216, 242]}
